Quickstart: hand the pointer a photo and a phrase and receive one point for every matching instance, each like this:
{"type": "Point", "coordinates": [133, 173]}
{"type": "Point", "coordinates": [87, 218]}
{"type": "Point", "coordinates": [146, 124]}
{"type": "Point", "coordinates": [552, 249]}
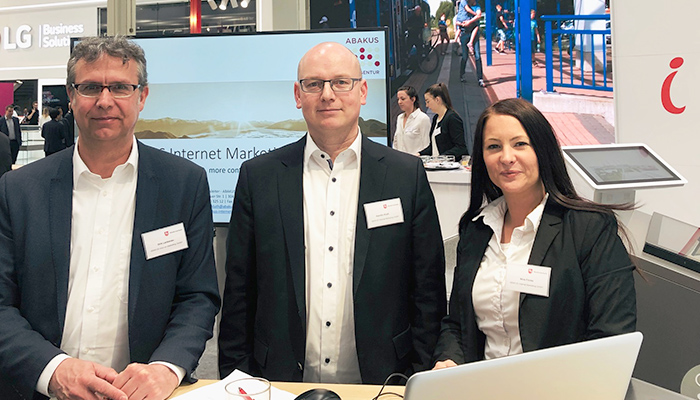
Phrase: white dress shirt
{"type": "Point", "coordinates": [102, 221]}
{"type": "Point", "coordinates": [497, 309]}
{"type": "Point", "coordinates": [414, 136]}
{"type": "Point", "coordinates": [330, 213]}
{"type": "Point", "coordinates": [436, 131]}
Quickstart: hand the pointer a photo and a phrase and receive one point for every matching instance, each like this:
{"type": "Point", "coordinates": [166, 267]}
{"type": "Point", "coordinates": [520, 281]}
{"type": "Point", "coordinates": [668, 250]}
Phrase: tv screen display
{"type": "Point", "coordinates": [221, 100]}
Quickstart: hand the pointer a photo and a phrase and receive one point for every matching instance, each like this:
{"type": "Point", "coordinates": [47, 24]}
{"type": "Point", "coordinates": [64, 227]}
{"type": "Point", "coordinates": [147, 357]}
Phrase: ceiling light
{"type": "Point", "coordinates": [212, 4]}
{"type": "Point", "coordinates": [223, 4]}
{"type": "Point", "coordinates": [244, 3]}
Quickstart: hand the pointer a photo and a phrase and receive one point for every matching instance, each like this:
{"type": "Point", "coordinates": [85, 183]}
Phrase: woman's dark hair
{"type": "Point", "coordinates": [550, 162]}
{"type": "Point", "coordinates": [440, 90]}
{"type": "Point", "coordinates": [411, 92]}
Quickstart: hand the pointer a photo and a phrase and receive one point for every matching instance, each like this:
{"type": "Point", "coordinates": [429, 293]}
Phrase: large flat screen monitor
{"type": "Point", "coordinates": [221, 100]}
{"type": "Point", "coordinates": [621, 166]}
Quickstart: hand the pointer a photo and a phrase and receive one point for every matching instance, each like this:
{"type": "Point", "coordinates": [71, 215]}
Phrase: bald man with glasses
{"type": "Point", "coordinates": [335, 263]}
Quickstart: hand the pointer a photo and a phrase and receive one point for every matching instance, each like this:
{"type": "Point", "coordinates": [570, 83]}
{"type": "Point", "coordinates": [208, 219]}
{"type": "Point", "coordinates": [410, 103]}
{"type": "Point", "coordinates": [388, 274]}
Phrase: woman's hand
{"type": "Point", "coordinates": [444, 364]}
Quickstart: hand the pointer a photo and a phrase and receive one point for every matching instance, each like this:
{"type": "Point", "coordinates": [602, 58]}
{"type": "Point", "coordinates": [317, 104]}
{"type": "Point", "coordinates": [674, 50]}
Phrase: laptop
{"type": "Point", "coordinates": [597, 369]}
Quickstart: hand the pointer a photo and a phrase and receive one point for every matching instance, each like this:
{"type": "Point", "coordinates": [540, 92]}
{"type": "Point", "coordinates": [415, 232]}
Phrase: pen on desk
{"type": "Point", "coordinates": [245, 395]}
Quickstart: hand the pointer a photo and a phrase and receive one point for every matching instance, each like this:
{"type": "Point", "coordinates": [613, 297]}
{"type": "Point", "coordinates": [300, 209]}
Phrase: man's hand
{"type": "Point", "coordinates": [444, 364]}
{"type": "Point", "coordinates": [76, 379]}
{"type": "Point", "coordinates": [152, 381]}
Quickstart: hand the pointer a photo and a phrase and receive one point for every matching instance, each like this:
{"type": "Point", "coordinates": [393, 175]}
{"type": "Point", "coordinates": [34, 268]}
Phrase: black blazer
{"type": "Point", "coordinates": [173, 299]}
{"type": "Point", "coordinates": [18, 131]}
{"type": "Point", "coordinates": [5, 155]}
{"type": "Point", "coordinates": [55, 136]}
{"type": "Point", "coordinates": [68, 122]}
{"type": "Point", "coordinates": [398, 280]}
{"type": "Point", "coordinates": [592, 291]}
{"type": "Point", "coordinates": [450, 141]}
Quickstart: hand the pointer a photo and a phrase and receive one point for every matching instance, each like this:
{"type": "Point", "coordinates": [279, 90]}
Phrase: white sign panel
{"type": "Point", "coordinates": [656, 94]}
{"type": "Point", "coordinates": [35, 43]}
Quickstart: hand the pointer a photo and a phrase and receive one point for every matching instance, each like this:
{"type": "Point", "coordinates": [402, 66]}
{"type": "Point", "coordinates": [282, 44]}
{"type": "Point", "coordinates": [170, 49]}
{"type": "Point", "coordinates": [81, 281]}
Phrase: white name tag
{"type": "Point", "coordinates": [530, 279]}
{"type": "Point", "coordinates": [383, 213]}
{"type": "Point", "coordinates": [164, 240]}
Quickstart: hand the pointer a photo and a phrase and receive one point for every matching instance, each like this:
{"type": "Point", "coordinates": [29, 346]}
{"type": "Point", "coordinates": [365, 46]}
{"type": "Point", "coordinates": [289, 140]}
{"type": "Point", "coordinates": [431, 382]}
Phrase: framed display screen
{"type": "Point", "coordinates": [221, 100]}
{"type": "Point", "coordinates": [621, 166]}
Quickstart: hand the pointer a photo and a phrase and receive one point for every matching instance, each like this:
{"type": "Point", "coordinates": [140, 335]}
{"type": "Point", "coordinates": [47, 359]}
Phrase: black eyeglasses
{"type": "Point", "coordinates": [118, 90]}
{"type": "Point", "coordinates": [337, 84]}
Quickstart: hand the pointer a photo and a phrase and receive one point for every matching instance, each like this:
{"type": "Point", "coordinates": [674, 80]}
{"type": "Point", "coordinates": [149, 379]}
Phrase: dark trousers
{"type": "Point", "coordinates": [14, 150]}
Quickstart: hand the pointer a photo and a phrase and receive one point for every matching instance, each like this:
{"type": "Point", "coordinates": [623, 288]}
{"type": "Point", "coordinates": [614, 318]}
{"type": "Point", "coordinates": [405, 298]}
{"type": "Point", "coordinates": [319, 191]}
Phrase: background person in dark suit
{"type": "Point", "coordinates": [54, 133]}
{"type": "Point", "coordinates": [9, 125]}
{"type": "Point", "coordinates": [534, 223]}
{"type": "Point", "coordinates": [69, 122]}
{"type": "Point", "coordinates": [5, 155]}
{"type": "Point", "coordinates": [335, 262]}
{"type": "Point", "coordinates": [89, 308]}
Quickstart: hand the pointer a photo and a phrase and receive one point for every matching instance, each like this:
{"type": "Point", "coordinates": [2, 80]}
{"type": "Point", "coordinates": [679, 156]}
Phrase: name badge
{"type": "Point", "coordinates": [530, 279]}
{"type": "Point", "coordinates": [164, 241]}
{"type": "Point", "coordinates": [383, 213]}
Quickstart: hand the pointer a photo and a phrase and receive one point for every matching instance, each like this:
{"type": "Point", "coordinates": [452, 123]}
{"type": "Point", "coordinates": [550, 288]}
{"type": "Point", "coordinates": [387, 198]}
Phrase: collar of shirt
{"type": "Point", "coordinates": [129, 169]}
{"type": "Point", "coordinates": [495, 211]}
{"type": "Point", "coordinates": [412, 115]}
{"type": "Point", "coordinates": [321, 159]}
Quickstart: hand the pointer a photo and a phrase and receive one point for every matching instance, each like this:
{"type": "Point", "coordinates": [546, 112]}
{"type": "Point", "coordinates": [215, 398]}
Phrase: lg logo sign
{"type": "Point", "coordinates": [22, 38]}
{"type": "Point", "coordinates": [49, 36]}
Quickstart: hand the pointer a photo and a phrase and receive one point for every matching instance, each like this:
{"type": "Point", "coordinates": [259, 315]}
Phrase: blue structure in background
{"type": "Point", "coordinates": [554, 29]}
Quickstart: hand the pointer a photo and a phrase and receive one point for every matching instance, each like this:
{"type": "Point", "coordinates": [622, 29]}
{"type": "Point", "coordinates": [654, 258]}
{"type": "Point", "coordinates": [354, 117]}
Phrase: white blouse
{"type": "Point", "coordinates": [497, 309]}
{"type": "Point", "coordinates": [415, 135]}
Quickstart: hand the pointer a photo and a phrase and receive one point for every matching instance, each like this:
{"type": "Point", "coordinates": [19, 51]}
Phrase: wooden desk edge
{"type": "Point", "coordinates": [346, 392]}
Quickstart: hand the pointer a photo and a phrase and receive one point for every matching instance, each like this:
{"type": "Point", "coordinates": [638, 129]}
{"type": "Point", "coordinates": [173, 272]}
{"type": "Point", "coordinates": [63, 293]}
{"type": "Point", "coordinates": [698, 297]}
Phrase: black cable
{"type": "Point", "coordinates": [395, 374]}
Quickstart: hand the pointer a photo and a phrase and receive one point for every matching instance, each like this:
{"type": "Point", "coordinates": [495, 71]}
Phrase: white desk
{"type": "Point", "coordinates": [451, 190]}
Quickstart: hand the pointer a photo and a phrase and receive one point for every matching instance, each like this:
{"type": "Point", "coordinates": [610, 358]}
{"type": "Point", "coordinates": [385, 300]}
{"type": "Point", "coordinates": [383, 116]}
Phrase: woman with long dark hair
{"type": "Point", "coordinates": [525, 223]}
{"type": "Point", "coordinates": [447, 130]}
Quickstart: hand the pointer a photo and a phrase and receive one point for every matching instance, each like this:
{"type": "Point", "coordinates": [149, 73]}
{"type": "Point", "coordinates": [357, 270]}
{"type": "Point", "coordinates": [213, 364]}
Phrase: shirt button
{"type": "Point", "coordinates": [323, 156]}
{"type": "Point", "coordinates": [328, 323]}
{"type": "Point", "coordinates": [332, 213]}
{"type": "Point", "coordinates": [328, 360]}
{"type": "Point", "coordinates": [329, 284]}
{"type": "Point", "coordinates": [104, 193]}
{"type": "Point", "coordinates": [91, 309]}
{"type": "Point", "coordinates": [333, 180]}
{"type": "Point", "coordinates": [330, 248]}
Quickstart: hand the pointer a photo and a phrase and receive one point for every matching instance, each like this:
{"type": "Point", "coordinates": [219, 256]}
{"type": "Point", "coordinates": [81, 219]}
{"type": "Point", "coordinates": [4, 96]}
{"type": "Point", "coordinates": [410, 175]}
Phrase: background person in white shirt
{"type": "Point", "coordinates": [534, 224]}
{"type": "Point", "coordinates": [85, 314]}
{"type": "Point", "coordinates": [412, 125]}
{"type": "Point", "coordinates": [335, 263]}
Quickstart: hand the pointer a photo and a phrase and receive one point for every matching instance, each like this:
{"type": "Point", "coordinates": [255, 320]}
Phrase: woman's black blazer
{"type": "Point", "coordinates": [591, 292]}
{"type": "Point", "coordinates": [450, 141]}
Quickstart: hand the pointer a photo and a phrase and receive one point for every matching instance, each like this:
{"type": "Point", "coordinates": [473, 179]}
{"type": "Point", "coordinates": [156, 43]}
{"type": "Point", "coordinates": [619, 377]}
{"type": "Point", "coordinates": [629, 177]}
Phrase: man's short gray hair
{"type": "Point", "coordinates": [91, 49]}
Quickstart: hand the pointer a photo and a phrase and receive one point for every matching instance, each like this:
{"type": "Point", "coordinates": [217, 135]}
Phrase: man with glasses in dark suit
{"type": "Point", "coordinates": [335, 264]}
{"type": "Point", "coordinates": [10, 126]}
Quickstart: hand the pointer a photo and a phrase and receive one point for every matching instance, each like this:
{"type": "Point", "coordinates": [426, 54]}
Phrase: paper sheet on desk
{"type": "Point", "coordinates": [216, 391]}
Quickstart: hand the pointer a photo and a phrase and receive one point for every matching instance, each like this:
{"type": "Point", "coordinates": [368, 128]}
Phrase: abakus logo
{"type": "Point", "coordinates": [366, 55]}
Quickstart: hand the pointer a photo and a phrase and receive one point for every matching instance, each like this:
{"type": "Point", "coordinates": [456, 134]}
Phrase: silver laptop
{"type": "Point", "coordinates": [596, 369]}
